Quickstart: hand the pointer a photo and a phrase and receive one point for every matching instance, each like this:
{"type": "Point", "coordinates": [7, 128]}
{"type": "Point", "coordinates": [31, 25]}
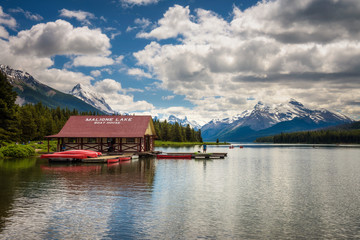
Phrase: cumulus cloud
{"type": "Point", "coordinates": [272, 51]}
{"type": "Point", "coordinates": [79, 15]}
{"type": "Point", "coordinates": [95, 73]}
{"type": "Point", "coordinates": [33, 51]}
{"type": "Point", "coordinates": [59, 38]}
{"type": "Point", "coordinates": [117, 98]}
{"type": "Point", "coordinates": [92, 61]}
{"type": "Point", "coordinates": [61, 79]}
{"type": "Point", "coordinates": [138, 72]}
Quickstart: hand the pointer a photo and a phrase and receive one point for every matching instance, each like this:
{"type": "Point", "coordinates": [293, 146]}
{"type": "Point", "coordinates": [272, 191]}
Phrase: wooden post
{"type": "Point", "coordinates": [120, 144]}
{"type": "Point", "coordinates": [101, 144]}
{"type": "Point", "coordinates": [48, 144]}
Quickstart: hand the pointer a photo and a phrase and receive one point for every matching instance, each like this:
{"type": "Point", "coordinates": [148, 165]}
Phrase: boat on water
{"type": "Point", "coordinates": [71, 155]}
{"type": "Point", "coordinates": [167, 156]}
{"type": "Point", "coordinates": [88, 153]}
{"type": "Point", "coordinates": [64, 156]}
{"type": "Point", "coordinates": [115, 160]}
{"type": "Point", "coordinates": [124, 159]}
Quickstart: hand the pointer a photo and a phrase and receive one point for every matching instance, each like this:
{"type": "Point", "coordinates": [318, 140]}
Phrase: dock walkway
{"type": "Point", "coordinates": [104, 158]}
{"type": "Point", "coordinates": [201, 155]}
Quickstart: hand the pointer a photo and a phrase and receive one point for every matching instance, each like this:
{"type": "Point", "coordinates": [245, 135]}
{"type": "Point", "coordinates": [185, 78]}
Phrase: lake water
{"type": "Point", "coordinates": [257, 192]}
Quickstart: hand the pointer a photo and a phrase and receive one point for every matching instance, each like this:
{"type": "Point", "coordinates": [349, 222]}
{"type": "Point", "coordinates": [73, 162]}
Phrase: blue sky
{"type": "Point", "coordinates": [196, 58]}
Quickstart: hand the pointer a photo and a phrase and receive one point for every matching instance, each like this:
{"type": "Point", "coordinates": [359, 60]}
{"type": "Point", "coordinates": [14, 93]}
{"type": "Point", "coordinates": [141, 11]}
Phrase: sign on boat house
{"type": "Point", "coordinates": [107, 134]}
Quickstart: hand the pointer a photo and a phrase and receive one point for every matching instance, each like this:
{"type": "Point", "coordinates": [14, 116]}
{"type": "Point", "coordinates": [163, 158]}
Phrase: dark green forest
{"type": "Point", "coordinates": [346, 134]}
{"type": "Point", "coordinates": [176, 133]}
{"type": "Point", "coordinates": [34, 122]}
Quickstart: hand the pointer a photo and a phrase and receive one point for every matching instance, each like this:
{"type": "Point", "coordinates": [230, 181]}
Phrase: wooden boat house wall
{"type": "Point", "coordinates": [107, 133]}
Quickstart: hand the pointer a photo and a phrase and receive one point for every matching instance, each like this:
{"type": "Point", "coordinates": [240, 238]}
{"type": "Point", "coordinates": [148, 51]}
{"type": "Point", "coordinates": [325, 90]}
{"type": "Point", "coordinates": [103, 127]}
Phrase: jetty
{"type": "Point", "coordinates": [199, 155]}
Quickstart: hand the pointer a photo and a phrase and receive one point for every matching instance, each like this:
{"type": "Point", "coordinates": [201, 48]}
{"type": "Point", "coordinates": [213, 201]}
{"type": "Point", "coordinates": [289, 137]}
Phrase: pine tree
{"type": "Point", "coordinates": [8, 121]}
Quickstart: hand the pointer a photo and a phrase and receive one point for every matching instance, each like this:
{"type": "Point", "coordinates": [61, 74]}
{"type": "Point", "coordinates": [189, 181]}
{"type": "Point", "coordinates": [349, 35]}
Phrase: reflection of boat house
{"type": "Point", "coordinates": [107, 133]}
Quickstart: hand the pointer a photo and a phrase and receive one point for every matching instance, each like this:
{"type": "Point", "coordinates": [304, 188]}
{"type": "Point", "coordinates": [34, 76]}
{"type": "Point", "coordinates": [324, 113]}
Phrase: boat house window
{"type": "Point", "coordinates": [130, 140]}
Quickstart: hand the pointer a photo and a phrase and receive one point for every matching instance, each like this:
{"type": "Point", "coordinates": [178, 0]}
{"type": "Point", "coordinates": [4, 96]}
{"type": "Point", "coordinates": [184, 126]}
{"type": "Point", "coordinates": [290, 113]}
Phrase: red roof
{"type": "Point", "coordinates": [105, 126]}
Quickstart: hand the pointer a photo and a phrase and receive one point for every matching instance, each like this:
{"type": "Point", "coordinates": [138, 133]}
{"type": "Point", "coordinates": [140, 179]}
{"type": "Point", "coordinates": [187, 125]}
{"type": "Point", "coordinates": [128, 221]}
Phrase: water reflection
{"type": "Point", "coordinates": [259, 193]}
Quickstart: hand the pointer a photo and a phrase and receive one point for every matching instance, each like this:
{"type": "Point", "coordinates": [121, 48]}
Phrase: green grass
{"type": "Point", "coordinates": [184, 144]}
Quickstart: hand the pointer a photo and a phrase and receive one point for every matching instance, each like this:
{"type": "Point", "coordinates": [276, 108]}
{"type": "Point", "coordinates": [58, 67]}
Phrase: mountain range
{"type": "Point", "coordinates": [262, 120]}
{"type": "Point", "coordinates": [265, 120]}
{"type": "Point", "coordinates": [31, 91]}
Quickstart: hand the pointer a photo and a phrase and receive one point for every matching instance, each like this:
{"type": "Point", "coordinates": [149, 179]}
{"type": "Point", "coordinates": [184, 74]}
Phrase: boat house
{"type": "Point", "coordinates": [107, 134]}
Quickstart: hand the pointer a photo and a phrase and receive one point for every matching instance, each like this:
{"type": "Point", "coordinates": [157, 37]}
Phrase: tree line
{"type": "Point", "coordinates": [316, 137]}
{"type": "Point", "coordinates": [176, 133]}
{"type": "Point", "coordinates": [34, 122]}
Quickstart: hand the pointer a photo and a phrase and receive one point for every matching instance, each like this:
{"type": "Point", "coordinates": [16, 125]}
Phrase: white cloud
{"type": "Point", "coordinates": [131, 3]}
{"type": "Point", "coordinates": [27, 14]}
{"type": "Point", "coordinates": [175, 21]}
{"type": "Point", "coordinates": [6, 19]}
{"type": "Point", "coordinates": [92, 61]}
{"type": "Point", "coordinates": [119, 59]}
{"type": "Point", "coordinates": [273, 51]}
{"type": "Point", "coordinates": [61, 79]}
{"type": "Point", "coordinates": [117, 98]}
{"type": "Point", "coordinates": [81, 16]}
{"type": "Point", "coordinates": [59, 38]}
{"type": "Point", "coordinates": [3, 33]}
{"type": "Point", "coordinates": [95, 73]}
{"type": "Point", "coordinates": [33, 51]}
{"type": "Point", "coordinates": [170, 97]}
{"type": "Point", "coordinates": [138, 72]}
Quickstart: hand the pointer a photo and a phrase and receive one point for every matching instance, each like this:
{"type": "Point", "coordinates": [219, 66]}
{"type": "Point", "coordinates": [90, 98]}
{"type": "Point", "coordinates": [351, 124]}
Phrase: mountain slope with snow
{"type": "Point", "coordinates": [88, 95]}
{"type": "Point", "coordinates": [31, 91]}
{"type": "Point", "coordinates": [266, 119]}
{"type": "Point", "coordinates": [184, 122]}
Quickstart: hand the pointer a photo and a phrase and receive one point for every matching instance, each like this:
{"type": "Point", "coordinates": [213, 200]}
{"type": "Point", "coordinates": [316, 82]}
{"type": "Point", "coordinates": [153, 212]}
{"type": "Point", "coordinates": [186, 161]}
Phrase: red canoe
{"type": "Point", "coordinates": [113, 160]}
{"type": "Point", "coordinates": [124, 158]}
{"type": "Point", "coordinates": [88, 153]}
{"type": "Point", "coordinates": [64, 156]}
{"type": "Point", "coordinates": [163, 156]}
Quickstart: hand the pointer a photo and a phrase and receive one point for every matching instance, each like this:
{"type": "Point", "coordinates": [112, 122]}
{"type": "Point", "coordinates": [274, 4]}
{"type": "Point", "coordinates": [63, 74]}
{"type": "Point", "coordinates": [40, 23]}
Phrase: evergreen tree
{"type": "Point", "coordinates": [8, 121]}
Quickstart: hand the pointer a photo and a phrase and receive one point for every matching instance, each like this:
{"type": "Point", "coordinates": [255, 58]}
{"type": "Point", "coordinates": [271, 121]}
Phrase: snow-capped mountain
{"type": "Point", "coordinates": [31, 91]}
{"type": "Point", "coordinates": [88, 95]}
{"type": "Point", "coordinates": [266, 119]}
{"type": "Point", "coordinates": [184, 122]}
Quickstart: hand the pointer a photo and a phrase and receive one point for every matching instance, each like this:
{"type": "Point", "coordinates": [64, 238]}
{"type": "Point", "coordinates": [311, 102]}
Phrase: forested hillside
{"type": "Point", "coordinates": [176, 133]}
{"type": "Point", "coordinates": [348, 133]}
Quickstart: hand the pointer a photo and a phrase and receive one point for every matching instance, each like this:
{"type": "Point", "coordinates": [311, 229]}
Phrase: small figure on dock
{"type": "Point", "coordinates": [204, 148]}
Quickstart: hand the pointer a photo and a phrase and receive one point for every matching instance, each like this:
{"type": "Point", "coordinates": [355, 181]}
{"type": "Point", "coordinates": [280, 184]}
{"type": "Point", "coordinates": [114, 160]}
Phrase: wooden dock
{"type": "Point", "coordinates": [202, 155]}
{"type": "Point", "coordinates": [104, 158]}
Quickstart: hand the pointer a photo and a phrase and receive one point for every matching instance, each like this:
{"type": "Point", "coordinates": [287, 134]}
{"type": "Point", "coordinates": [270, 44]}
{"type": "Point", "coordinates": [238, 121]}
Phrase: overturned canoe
{"type": "Point", "coordinates": [64, 156]}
